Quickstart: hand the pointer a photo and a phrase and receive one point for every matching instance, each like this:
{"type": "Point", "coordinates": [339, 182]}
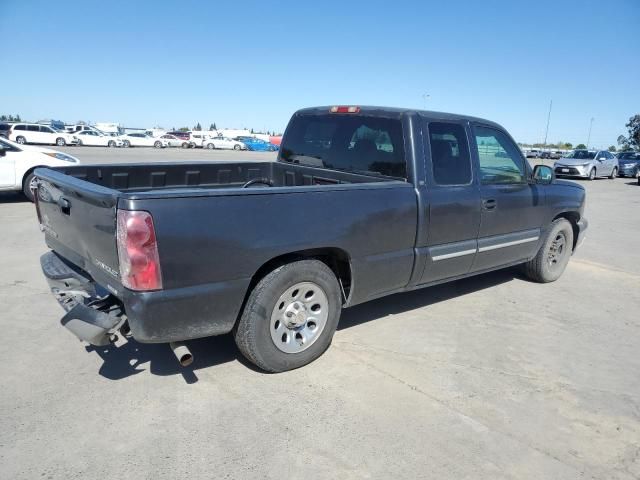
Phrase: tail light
{"type": "Point", "coordinates": [138, 251]}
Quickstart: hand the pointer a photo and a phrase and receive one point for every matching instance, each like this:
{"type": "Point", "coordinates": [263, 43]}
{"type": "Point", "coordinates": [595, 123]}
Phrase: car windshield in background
{"type": "Point", "coordinates": [629, 156]}
{"type": "Point", "coordinates": [359, 144]}
{"type": "Point", "coordinates": [581, 155]}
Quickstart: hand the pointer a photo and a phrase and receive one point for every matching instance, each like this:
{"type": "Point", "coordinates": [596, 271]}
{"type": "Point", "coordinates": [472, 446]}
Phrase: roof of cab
{"type": "Point", "coordinates": [395, 111]}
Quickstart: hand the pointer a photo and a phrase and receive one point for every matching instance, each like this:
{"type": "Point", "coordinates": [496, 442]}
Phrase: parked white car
{"type": "Point", "coordinates": [224, 143]}
{"type": "Point", "coordinates": [75, 129]}
{"type": "Point", "coordinates": [174, 141]}
{"type": "Point", "coordinates": [142, 140]}
{"type": "Point", "coordinates": [17, 163]}
{"type": "Point", "coordinates": [95, 139]}
{"type": "Point", "coordinates": [33, 133]}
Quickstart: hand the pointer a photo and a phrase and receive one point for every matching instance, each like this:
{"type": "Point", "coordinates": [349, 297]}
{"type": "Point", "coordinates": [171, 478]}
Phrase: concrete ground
{"type": "Point", "coordinates": [490, 377]}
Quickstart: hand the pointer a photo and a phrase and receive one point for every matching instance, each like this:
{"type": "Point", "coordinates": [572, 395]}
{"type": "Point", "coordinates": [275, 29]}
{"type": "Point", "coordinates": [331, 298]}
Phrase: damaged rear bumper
{"type": "Point", "coordinates": [93, 314]}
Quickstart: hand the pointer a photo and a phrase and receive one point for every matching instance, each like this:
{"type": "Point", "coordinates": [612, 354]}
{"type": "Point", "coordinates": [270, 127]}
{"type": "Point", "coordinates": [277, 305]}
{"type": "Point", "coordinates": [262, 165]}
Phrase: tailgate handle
{"type": "Point", "coordinates": [64, 205]}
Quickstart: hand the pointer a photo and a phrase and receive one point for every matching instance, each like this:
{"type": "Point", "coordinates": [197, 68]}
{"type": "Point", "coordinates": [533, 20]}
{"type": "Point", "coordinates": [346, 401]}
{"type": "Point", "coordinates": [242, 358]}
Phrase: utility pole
{"type": "Point", "coordinates": [589, 136]}
{"type": "Point", "coordinates": [548, 119]}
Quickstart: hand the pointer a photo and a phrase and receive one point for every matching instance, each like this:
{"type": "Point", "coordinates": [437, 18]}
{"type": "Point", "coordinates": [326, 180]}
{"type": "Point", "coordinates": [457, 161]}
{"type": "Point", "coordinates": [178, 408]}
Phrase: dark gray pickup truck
{"type": "Point", "coordinates": [363, 202]}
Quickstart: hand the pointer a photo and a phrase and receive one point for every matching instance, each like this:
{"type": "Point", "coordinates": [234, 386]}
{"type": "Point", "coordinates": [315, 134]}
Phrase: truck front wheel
{"type": "Point", "coordinates": [553, 256]}
{"type": "Point", "coordinates": [290, 316]}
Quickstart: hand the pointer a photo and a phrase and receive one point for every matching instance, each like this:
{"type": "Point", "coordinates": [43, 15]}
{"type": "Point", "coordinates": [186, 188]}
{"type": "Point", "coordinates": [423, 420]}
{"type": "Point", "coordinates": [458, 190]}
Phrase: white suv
{"type": "Point", "coordinates": [33, 133]}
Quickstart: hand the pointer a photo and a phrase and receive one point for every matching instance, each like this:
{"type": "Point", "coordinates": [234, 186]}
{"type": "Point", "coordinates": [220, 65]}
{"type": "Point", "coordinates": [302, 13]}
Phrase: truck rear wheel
{"type": "Point", "coordinates": [290, 316]}
{"type": "Point", "coordinates": [554, 254]}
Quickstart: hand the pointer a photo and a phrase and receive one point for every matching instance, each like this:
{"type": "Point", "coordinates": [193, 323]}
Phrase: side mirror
{"type": "Point", "coordinates": [602, 159]}
{"type": "Point", "coordinates": [543, 174]}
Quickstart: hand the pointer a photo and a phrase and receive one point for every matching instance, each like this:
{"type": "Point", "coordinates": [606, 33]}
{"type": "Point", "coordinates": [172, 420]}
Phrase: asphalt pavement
{"type": "Point", "coordinates": [485, 378]}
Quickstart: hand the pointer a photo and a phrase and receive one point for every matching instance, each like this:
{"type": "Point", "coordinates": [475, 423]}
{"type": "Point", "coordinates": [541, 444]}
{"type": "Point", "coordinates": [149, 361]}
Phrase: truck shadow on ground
{"type": "Point", "coordinates": [123, 360]}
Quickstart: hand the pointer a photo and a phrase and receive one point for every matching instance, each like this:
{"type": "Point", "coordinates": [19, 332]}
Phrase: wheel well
{"type": "Point", "coordinates": [573, 218]}
{"type": "Point", "coordinates": [336, 259]}
{"type": "Point", "coordinates": [29, 172]}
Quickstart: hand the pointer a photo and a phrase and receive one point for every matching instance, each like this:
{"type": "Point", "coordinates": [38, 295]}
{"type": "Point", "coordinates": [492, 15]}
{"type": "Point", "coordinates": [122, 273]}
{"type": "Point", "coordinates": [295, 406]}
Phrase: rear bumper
{"type": "Point", "coordinates": [94, 315]}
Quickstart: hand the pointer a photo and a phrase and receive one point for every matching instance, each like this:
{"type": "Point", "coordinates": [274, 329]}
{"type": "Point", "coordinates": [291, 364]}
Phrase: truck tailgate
{"type": "Point", "coordinates": [79, 221]}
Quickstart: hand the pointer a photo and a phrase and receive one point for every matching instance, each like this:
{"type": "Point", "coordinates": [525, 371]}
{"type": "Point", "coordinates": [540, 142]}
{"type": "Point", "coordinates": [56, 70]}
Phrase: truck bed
{"type": "Point", "coordinates": [145, 177]}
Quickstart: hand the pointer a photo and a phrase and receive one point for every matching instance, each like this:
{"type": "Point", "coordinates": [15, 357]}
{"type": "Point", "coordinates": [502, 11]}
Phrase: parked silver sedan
{"type": "Point", "coordinates": [587, 164]}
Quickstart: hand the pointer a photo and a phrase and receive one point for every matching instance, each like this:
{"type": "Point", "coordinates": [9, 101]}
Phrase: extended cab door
{"type": "Point", "coordinates": [511, 207]}
{"type": "Point", "coordinates": [452, 202]}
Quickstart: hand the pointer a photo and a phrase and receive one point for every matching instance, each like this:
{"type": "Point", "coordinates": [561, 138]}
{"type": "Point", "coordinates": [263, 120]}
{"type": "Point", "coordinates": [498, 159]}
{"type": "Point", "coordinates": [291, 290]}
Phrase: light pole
{"type": "Point", "coordinates": [589, 136]}
{"type": "Point", "coordinates": [547, 130]}
{"type": "Point", "coordinates": [425, 96]}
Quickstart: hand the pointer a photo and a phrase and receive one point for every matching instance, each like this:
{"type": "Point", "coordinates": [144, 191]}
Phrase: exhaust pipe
{"type": "Point", "coordinates": [182, 353]}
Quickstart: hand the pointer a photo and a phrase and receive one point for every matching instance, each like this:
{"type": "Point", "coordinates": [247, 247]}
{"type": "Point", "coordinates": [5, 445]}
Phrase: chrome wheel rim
{"type": "Point", "coordinates": [299, 317]}
{"type": "Point", "coordinates": [557, 250]}
{"type": "Point", "coordinates": [33, 183]}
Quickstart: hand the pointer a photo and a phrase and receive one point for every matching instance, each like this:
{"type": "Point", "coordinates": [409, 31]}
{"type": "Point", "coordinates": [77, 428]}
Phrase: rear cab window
{"type": "Point", "coordinates": [356, 143]}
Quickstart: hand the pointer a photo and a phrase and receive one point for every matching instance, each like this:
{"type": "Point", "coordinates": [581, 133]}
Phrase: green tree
{"type": "Point", "coordinates": [198, 127]}
{"type": "Point", "coordinates": [18, 119]}
{"type": "Point", "coordinates": [581, 146]}
{"type": "Point", "coordinates": [633, 137]}
{"type": "Point", "coordinates": [612, 148]}
{"type": "Point", "coordinates": [568, 145]}
{"type": "Point", "coordinates": [212, 126]}
{"type": "Point", "coordinates": [252, 130]}
{"type": "Point", "coordinates": [183, 129]}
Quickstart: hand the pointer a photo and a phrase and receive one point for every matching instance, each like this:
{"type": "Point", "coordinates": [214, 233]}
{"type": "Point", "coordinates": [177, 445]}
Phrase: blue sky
{"type": "Point", "coordinates": [146, 63]}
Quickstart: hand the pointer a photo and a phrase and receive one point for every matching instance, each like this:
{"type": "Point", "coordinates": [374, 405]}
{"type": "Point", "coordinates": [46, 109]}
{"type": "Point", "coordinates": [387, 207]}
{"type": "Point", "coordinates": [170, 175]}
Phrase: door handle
{"type": "Point", "coordinates": [489, 204]}
{"type": "Point", "coordinates": [65, 205]}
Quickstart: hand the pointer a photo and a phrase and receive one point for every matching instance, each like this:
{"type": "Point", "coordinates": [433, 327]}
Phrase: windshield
{"type": "Point", "coordinates": [629, 156]}
{"type": "Point", "coordinates": [581, 155]}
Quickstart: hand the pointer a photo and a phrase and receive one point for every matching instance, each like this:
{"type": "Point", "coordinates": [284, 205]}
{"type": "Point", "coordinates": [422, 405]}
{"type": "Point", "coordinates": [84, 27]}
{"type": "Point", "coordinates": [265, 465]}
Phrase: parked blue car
{"type": "Point", "coordinates": [257, 145]}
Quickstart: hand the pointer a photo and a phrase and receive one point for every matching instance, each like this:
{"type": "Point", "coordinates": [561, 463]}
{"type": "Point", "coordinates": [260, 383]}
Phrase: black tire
{"type": "Point", "coordinates": [21, 140]}
{"type": "Point", "coordinates": [157, 144]}
{"type": "Point", "coordinates": [211, 146]}
{"type": "Point", "coordinates": [60, 142]}
{"type": "Point", "coordinates": [26, 187]}
{"type": "Point", "coordinates": [111, 144]}
{"type": "Point", "coordinates": [185, 145]}
{"type": "Point", "coordinates": [236, 147]}
{"type": "Point", "coordinates": [614, 173]}
{"type": "Point", "coordinates": [79, 144]}
{"type": "Point", "coordinates": [546, 267]}
{"type": "Point", "coordinates": [592, 174]}
{"type": "Point", "coordinates": [126, 143]}
{"type": "Point", "coordinates": [252, 333]}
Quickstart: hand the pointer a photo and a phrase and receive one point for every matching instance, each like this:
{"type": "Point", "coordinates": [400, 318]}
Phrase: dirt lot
{"type": "Point", "coordinates": [490, 377]}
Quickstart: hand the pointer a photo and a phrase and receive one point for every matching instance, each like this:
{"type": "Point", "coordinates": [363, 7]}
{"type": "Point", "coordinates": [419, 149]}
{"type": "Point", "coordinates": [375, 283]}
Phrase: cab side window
{"type": "Point", "coordinates": [500, 159]}
{"type": "Point", "coordinates": [450, 159]}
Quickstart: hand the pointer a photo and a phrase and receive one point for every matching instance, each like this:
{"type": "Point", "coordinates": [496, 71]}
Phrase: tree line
{"type": "Point", "coordinates": [10, 118]}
